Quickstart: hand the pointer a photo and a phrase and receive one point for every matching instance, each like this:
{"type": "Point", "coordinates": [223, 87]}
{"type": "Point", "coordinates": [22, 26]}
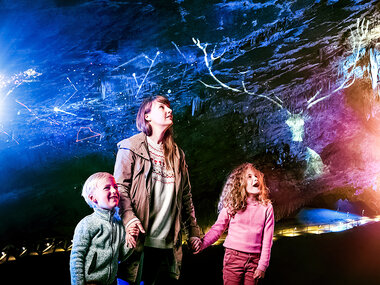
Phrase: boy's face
{"type": "Point", "coordinates": [106, 195]}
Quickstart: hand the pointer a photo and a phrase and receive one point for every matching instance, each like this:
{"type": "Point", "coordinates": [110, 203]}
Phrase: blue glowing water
{"type": "Point", "coordinates": [324, 216]}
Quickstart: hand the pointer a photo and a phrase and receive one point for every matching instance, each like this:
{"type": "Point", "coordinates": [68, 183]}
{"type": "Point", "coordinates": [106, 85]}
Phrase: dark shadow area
{"type": "Point", "coordinates": [349, 257]}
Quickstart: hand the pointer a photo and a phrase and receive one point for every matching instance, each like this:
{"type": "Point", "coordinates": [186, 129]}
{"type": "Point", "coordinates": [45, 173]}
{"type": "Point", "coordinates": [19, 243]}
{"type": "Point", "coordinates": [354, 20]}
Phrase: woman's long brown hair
{"type": "Point", "coordinates": [144, 126]}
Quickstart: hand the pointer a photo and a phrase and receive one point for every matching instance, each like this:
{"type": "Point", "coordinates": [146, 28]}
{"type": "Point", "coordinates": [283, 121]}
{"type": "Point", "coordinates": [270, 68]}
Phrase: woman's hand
{"type": "Point", "coordinates": [195, 244]}
{"type": "Point", "coordinates": [132, 232]}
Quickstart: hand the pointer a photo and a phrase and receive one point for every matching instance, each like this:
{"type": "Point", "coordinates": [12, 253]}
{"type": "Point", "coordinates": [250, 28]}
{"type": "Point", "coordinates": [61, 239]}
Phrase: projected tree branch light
{"type": "Point", "coordinates": [358, 42]}
{"type": "Point", "coordinates": [277, 101]}
{"type": "Point", "coordinates": [146, 75]}
{"type": "Point", "coordinates": [359, 39]}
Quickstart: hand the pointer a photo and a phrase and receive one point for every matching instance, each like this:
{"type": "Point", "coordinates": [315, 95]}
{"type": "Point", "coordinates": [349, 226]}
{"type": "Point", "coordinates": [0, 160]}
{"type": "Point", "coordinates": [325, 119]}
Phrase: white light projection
{"type": "Point", "coordinates": [315, 165]}
{"type": "Point", "coordinates": [361, 38]}
{"type": "Point", "coordinates": [296, 121]}
{"type": "Point", "coordinates": [86, 133]}
{"type": "Point", "coordinates": [76, 90]}
{"type": "Point", "coordinates": [296, 124]}
{"type": "Point", "coordinates": [49, 120]}
{"type": "Point", "coordinates": [350, 67]}
{"type": "Point", "coordinates": [179, 51]}
{"type": "Point", "coordinates": [135, 78]}
{"type": "Point", "coordinates": [60, 109]}
{"type": "Point", "coordinates": [277, 101]}
{"type": "Point", "coordinates": [15, 81]}
{"type": "Point", "coordinates": [368, 50]}
{"type": "Point", "coordinates": [146, 75]}
{"type": "Point", "coordinates": [8, 85]}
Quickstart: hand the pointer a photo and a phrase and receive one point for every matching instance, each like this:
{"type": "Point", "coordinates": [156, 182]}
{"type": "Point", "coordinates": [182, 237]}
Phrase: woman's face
{"type": "Point", "coordinates": [160, 116]}
{"type": "Point", "coordinates": [252, 183]}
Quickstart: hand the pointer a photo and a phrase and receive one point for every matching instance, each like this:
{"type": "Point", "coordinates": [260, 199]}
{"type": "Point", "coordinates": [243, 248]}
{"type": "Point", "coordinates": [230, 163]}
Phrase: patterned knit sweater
{"type": "Point", "coordinates": [163, 197]}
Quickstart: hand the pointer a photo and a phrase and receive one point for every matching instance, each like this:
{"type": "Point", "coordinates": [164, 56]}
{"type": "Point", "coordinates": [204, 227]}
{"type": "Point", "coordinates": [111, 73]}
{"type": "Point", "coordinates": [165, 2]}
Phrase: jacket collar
{"type": "Point", "coordinates": [142, 148]}
{"type": "Point", "coordinates": [104, 214]}
{"type": "Point", "coordinates": [137, 144]}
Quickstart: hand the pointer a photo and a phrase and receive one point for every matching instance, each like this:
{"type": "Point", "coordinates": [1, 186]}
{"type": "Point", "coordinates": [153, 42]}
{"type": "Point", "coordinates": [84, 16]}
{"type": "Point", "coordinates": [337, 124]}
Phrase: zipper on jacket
{"type": "Point", "coordinates": [112, 241]}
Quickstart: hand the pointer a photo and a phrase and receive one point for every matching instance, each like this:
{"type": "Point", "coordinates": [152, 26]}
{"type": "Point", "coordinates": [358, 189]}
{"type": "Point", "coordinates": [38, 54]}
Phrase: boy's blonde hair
{"type": "Point", "coordinates": [234, 196]}
{"type": "Point", "coordinates": [91, 184]}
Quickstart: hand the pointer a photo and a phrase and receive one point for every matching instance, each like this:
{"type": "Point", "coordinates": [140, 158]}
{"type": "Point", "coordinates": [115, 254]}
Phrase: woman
{"type": "Point", "coordinates": [155, 196]}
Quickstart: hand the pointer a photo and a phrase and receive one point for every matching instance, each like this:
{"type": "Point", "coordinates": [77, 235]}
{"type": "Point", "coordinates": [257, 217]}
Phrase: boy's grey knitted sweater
{"type": "Point", "coordinates": [98, 245]}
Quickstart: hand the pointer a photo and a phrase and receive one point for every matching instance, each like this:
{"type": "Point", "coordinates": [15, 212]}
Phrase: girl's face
{"type": "Point", "coordinates": [252, 183]}
{"type": "Point", "coordinates": [160, 115]}
{"type": "Point", "coordinates": [106, 194]}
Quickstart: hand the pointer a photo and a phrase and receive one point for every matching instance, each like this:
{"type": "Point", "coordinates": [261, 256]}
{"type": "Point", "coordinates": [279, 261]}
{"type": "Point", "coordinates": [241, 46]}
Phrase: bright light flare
{"type": "Point", "coordinates": [290, 232]}
{"type": "Point", "coordinates": [325, 228]}
{"type": "Point", "coordinates": [49, 249]}
{"type": "Point", "coordinates": [56, 109]}
{"type": "Point", "coordinates": [9, 84]}
{"type": "Point", "coordinates": [3, 81]}
{"type": "Point", "coordinates": [3, 256]}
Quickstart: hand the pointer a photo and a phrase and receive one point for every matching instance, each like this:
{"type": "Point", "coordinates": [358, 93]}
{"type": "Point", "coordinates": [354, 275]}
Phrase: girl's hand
{"type": "Point", "coordinates": [196, 244]}
{"type": "Point", "coordinates": [258, 274]}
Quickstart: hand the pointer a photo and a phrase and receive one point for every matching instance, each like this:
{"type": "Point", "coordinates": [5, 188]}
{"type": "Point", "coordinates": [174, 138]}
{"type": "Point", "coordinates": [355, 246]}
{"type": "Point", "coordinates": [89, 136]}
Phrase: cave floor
{"type": "Point", "coordinates": [348, 257]}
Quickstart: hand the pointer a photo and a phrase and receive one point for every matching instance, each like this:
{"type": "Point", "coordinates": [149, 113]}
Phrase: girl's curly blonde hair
{"type": "Point", "coordinates": [234, 195]}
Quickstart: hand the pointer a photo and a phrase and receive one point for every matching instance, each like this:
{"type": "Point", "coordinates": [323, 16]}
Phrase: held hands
{"type": "Point", "coordinates": [195, 244]}
{"type": "Point", "coordinates": [258, 274]}
{"type": "Point", "coordinates": [132, 232]}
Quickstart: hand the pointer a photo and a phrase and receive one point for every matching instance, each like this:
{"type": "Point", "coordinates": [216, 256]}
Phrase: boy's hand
{"type": "Point", "coordinates": [195, 244]}
{"type": "Point", "coordinates": [132, 232]}
{"type": "Point", "coordinates": [130, 240]}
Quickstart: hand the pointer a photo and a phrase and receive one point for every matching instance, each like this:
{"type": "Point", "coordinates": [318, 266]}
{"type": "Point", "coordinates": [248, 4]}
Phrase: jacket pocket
{"type": "Point", "coordinates": [92, 266]}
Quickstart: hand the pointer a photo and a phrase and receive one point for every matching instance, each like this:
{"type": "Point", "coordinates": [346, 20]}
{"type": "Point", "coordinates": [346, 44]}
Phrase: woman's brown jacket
{"type": "Point", "coordinates": [133, 172]}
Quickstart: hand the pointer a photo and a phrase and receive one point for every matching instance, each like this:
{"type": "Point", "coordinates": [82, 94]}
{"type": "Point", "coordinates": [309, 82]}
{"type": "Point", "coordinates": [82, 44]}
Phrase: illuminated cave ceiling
{"type": "Point", "coordinates": [73, 74]}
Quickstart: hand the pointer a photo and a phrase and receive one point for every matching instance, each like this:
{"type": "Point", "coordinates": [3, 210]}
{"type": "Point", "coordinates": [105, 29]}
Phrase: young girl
{"type": "Point", "coordinates": [155, 196]}
{"type": "Point", "coordinates": [248, 214]}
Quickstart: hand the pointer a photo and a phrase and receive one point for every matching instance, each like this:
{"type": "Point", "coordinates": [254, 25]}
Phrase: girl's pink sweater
{"type": "Point", "coordinates": [249, 231]}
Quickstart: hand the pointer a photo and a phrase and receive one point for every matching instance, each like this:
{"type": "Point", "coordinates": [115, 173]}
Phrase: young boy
{"type": "Point", "coordinates": [99, 238]}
